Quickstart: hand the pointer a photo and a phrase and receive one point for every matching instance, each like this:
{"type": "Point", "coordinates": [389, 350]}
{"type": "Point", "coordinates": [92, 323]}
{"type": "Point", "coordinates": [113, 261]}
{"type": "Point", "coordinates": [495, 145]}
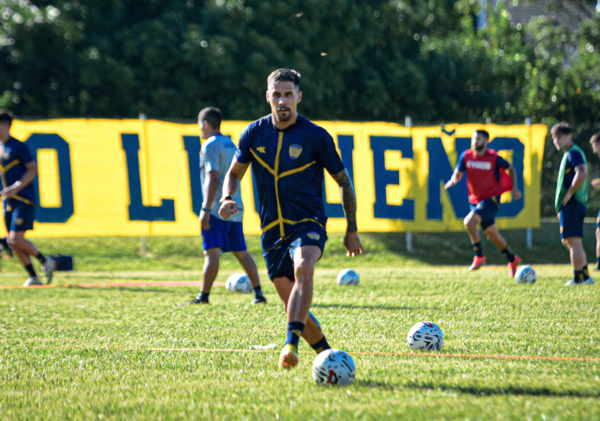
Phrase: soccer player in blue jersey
{"type": "Point", "coordinates": [18, 170]}
{"type": "Point", "coordinates": [288, 155]}
{"type": "Point", "coordinates": [220, 236]}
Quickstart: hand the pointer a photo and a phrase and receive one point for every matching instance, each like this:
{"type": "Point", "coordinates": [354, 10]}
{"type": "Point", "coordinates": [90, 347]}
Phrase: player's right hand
{"type": "Point", "coordinates": [448, 185]}
{"type": "Point", "coordinates": [596, 183]}
{"type": "Point", "coordinates": [228, 208]}
{"type": "Point", "coordinates": [205, 220]}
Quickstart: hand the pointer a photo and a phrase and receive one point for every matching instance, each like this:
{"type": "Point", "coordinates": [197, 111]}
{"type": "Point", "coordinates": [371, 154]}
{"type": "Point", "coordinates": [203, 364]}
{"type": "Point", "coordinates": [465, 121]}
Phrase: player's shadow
{"type": "Point", "coordinates": [355, 307]}
{"type": "Point", "coordinates": [514, 390]}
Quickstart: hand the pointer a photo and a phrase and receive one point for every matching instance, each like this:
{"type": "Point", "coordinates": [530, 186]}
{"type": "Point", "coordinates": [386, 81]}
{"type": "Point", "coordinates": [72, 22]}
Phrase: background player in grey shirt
{"type": "Point", "coordinates": [220, 236]}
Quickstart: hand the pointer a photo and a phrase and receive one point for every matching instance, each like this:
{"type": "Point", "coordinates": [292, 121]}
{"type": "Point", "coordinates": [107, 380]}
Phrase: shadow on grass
{"type": "Point", "coordinates": [481, 390]}
{"type": "Point", "coordinates": [354, 307]}
{"type": "Point", "coordinates": [514, 390]}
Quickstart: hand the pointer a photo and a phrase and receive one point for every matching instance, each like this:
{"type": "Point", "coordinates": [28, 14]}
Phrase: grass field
{"type": "Point", "coordinates": [71, 353]}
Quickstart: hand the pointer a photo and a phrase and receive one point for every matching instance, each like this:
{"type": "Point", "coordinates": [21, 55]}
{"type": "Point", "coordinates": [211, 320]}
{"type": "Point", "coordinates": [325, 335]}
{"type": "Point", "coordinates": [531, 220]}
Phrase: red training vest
{"type": "Point", "coordinates": [481, 178]}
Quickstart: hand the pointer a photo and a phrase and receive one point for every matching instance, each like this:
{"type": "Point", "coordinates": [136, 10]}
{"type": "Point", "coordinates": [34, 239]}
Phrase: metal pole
{"type": "Point", "coordinates": [409, 237]}
{"type": "Point", "coordinates": [529, 239]}
{"type": "Point", "coordinates": [143, 246]}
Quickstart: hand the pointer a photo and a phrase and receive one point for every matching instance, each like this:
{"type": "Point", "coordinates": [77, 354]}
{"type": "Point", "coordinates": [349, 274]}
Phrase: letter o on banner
{"type": "Point", "coordinates": [65, 211]}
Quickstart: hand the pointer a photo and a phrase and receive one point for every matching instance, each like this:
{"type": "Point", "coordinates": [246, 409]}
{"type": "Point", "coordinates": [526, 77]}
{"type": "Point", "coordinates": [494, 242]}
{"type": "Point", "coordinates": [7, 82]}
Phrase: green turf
{"type": "Point", "coordinates": [70, 353]}
{"type": "Point", "coordinates": [117, 254]}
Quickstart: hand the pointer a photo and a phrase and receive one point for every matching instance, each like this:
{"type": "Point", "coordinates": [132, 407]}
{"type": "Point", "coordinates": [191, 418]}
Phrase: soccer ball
{"type": "Point", "coordinates": [238, 282]}
{"type": "Point", "coordinates": [425, 335]}
{"type": "Point", "coordinates": [334, 367]}
{"type": "Point", "coordinates": [347, 277]}
{"type": "Point", "coordinates": [526, 275]}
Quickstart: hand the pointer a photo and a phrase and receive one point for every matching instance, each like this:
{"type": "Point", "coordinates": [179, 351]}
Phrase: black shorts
{"type": "Point", "coordinates": [20, 218]}
{"type": "Point", "coordinates": [571, 219]}
{"type": "Point", "coordinates": [280, 260]}
{"type": "Point", "coordinates": [487, 210]}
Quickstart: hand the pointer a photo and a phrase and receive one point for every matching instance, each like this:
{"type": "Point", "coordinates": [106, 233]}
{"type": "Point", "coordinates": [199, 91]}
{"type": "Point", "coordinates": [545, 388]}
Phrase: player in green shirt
{"type": "Point", "coordinates": [571, 200]}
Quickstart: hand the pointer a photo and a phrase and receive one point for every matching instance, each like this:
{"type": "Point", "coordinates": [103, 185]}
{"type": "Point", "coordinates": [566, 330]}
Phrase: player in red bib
{"type": "Point", "coordinates": [487, 179]}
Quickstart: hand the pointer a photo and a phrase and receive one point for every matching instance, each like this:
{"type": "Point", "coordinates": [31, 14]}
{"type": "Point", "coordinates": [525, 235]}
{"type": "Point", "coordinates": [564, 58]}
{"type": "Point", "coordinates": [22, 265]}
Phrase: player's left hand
{"type": "Point", "coordinates": [353, 245]}
{"type": "Point", "coordinates": [517, 194]}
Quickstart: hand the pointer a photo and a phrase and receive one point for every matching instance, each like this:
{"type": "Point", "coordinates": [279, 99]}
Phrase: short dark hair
{"type": "Point", "coordinates": [284, 75]}
{"type": "Point", "coordinates": [483, 133]}
{"type": "Point", "coordinates": [212, 115]}
{"type": "Point", "coordinates": [6, 117]}
{"type": "Point", "coordinates": [561, 128]}
{"type": "Point", "coordinates": [595, 138]}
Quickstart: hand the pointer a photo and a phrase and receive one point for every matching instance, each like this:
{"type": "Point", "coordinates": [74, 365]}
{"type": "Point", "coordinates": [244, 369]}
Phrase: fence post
{"type": "Point", "coordinates": [143, 246]}
{"type": "Point", "coordinates": [529, 239]}
{"type": "Point", "coordinates": [409, 236]}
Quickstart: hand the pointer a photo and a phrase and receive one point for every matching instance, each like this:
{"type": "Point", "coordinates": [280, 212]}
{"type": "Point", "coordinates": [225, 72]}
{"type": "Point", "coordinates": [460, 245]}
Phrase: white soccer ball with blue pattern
{"type": "Point", "coordinates": [334, 367]}
{"type": "Point", "coordinates": [525, 275]}
{"type": "Point", "coordinates": [425, 335]}
{"type": "Point", "coordinates": [238, 282]}
{"type": "Point", "coordinates": [347, 277]}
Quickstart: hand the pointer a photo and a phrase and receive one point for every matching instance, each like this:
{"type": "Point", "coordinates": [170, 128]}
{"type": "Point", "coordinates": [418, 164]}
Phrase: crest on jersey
{"type": "Point", "coordinates": [295, 151]}
{"type": "Point", "coordinates": [313, 236]}
{"type": "Point", "coordinates": [6, 156]}
{"type": "Point", "coordinates": [19, 221]}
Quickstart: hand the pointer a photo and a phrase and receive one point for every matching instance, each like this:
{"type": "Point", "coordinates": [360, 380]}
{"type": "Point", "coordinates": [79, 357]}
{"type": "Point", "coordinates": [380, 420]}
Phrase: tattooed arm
{"type": "Point", "coordinates": [351, 240]}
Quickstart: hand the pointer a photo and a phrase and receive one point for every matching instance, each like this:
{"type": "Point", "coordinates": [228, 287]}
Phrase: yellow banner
{"type": "Point", "coordinates": [141, 177]}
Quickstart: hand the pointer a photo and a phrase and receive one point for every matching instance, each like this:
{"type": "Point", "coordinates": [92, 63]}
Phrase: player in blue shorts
{"type": "Point", "coordinates": [595, 141]}
{"type": "Point", "coordinates": [288, 155]}
{"type": "Point", "coordinates": [571, 200]}
{"type": "Point", "coordinates": [18, 170]}
{"type": "Point", "coordinates": [220, 236]}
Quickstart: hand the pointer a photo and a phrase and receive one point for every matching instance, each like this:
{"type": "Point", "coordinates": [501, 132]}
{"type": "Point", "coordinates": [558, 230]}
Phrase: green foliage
{"type": "Point", "coordinates": [361, 60]}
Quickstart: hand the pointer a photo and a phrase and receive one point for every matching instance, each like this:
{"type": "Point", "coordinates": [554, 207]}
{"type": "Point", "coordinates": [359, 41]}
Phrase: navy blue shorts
{"type": "Point", "coordinates": [20, 218]}
{"type": "Point", "coordinates": [571, 219]}
{"type": "Point", "coordinates": [487, 211]}
{"type": "Point", "coordinates": [225, 235]}
{"type": "Point", "coordinates": [598, 220]}
{"type": "Point", "coordinates": [280, 261]}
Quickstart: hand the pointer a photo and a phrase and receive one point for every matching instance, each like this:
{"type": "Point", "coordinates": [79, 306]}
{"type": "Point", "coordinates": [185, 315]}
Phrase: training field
{"type": "Point", "coordinates": [87, 353]}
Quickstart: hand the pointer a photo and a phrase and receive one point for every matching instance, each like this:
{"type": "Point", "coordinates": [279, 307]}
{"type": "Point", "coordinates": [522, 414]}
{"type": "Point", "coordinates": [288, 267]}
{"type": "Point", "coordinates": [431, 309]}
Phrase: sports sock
{"type": "Point", "coordinates": [508, 254]}
{"type": "Point", "coordinates": [203, 296]}
{"type": "Point", "coordinates": [31, 270]}
{"type": "Point", "coordinates": [4, 243]}
{"type": "Point", "coordinates": [586, 273]}
{"type": "Point", "coordinates": [258, 292]}
{"type": "Point", "coordinates": [578, 276]}
{"type": "Point", "coordinates": [477, 250]}
{"type": "Point", "coordinates": [40, 257]}
{"type": "Point", "coordinates": [321, 346]}
{"type": "Point", "coordinates": [294, 331]}
{"type": "Point", "coordinates": [597, 263]}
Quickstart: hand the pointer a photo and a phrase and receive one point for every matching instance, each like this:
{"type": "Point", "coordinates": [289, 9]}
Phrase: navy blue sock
{"type": "Point", "coordinates": [203, 296]}
{"type": "Point", "coordinates": [477, 250]}
{"type": "Point", "coordinates": [586, 273]}
{"type": "Point", "coordinates": [578, 276]}
{"type": "Point", "coordinates": [294, 331]}
{"type": "Point", "coordinates": [41, 258]}
{"type": "Point", "coordinates": [30, 270]}
{"type": "Point", "coordinates": [508, 254]}
{"type": "Point", "coordinates": [320, 346]}
{"type": "Point", "coordinates": [597, 263]}
{"type": "Point", "coordinates": [258, 292]}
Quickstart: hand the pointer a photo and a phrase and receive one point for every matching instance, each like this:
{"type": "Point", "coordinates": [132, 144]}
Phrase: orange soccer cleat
{"type": "Point", "coordinates": [478, 261]}
{"type": "Point", "coordinates": [512, 266]}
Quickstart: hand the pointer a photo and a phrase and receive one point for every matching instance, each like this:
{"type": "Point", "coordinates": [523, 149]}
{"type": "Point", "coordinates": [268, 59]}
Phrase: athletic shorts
{"type": "Point", "coordinates": [20, 218]}
{"type": "Point", "coordinates": [280, 261]}
{"type": "Point", "coordinates": [225, 235]}
{"type": "Point", "coordinates": [487, 211]}
{"type": "Point", "coordinates": [598, 220]}
{"type": "Point", "coordinates": [571, 219]}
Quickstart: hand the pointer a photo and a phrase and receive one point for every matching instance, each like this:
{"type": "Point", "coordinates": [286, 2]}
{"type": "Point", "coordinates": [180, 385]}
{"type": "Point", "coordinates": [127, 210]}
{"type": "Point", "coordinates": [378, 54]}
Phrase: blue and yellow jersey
{"type": "Point", "coordinates": [288, 170]}
{"type": "Point", "coordinates": [13, 157]}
